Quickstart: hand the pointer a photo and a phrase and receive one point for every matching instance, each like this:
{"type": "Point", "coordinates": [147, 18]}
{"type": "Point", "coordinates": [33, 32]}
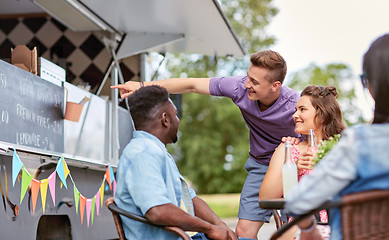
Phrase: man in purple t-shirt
{"type": "Point", "coordinates": [266, 106]}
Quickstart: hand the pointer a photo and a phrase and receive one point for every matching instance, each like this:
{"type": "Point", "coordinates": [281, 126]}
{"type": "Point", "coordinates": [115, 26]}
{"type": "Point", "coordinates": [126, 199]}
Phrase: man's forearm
{"type": "Point", "coordinates": [203, 211]}
{"type": "Point", "coordinates": [171, 215]}
{"type": "Point", "coordinates": [183, 85]}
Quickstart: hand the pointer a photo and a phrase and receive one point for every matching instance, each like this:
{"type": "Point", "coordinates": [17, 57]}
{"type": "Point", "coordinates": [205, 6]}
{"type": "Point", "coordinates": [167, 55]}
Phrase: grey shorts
{"type": "Point", "coordinates": [249, 207]}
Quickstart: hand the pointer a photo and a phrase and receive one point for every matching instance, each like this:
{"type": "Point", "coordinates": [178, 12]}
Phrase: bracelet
{"type": "Point", "coordinates": [309, 228]}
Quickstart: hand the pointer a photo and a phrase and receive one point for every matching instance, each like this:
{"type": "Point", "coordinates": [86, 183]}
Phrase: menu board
{"type": "Point", "coordinates": [31, 110]}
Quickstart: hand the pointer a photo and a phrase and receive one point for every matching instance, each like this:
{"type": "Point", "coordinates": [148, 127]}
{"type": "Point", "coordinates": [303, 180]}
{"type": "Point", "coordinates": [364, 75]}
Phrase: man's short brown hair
{"type": "Point", "coordinates": [272, 61]}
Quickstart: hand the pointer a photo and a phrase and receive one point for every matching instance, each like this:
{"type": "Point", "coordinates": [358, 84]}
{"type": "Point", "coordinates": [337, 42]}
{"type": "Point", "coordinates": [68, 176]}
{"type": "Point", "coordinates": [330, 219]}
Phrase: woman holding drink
{"type": "Point", "coordinates": [316, 110]}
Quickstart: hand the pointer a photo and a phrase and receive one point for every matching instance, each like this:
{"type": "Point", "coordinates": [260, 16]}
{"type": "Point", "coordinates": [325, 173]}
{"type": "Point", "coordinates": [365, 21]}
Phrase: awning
{"type": "Point", "coordinates": [177, 26]}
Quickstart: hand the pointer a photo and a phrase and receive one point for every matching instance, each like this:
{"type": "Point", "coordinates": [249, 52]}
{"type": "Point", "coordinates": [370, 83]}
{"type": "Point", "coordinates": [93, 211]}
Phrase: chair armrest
{"type": "Point", "coordinates": [114, 208]}
{"type": "Point", "coordinates": [280, 204]}
{"type": "Point", "coordinates": [277, 203]}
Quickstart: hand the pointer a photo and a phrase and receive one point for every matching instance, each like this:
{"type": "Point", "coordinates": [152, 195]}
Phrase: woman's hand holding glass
{"type": "Point", "coordinates": [305, 160]}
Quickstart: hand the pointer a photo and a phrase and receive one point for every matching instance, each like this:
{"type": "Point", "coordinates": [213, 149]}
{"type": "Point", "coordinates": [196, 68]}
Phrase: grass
{"type": "Point", "coordinates": [224, 205]}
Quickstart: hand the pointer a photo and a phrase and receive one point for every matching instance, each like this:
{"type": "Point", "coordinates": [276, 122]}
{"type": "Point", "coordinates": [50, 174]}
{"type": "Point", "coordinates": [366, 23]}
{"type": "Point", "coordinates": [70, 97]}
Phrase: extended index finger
{"type": "Point", "coordinates": [119, 86]}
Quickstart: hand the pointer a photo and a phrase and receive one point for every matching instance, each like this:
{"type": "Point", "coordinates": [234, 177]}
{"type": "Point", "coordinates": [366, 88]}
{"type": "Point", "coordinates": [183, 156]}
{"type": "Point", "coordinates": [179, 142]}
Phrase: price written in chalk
{"type": "Point", "coordinates": [4, 116]}
{"type": "Point", "coordinates": [3, 81]}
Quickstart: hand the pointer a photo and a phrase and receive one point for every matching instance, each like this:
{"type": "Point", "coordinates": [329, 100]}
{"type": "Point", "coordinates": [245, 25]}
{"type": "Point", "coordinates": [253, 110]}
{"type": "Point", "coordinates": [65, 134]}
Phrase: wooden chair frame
{"type": "Point", "coordinates": [116, 212]}
{"type": "Point", "coordinates": [364, 215]}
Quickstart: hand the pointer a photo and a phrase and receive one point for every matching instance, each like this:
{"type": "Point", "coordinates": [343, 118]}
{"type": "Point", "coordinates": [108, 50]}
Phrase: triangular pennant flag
{"type": "Point", "coordinates": [114, 187]}
{"type": "Point", "coordinates": [44, 185]}
{"type": "Point", "coordinates": [26, 179]}
{"type": "Point", "coordinates": [16, 166]}
{"type": "Point", "coordinates": [61, 171]}
{"type": "Point", "coordinates": [88, 210]}
{"type": "Point", "coordinates": [97, 197]}
{"type": "Point", "coordinates": [35, 185]}
{"type": "Point", "coordinates": [92, 213]}
{"type": "Point", "coordinates": [102, 194]}
{"type": "Point", "coordinates": [112, 176]}
{"type": "Point", "coordinates": [76, 197]}
{"type": "Point", "coordinates": [52, 186]}
{"type": "Point", "coordinates": [107, 177]}
{"type": "Point", "coordinates": [82, 207]}
{"type": "Point", "coordinates": [65, 167]}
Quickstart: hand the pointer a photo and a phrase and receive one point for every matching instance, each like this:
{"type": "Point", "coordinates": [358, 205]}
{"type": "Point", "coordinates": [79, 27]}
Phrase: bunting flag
{"type": "Point", "coordinates": [16, 166]}
{"type": "Point", "coordinates": [44, 185]}
{"type": "Point", "coordinates": [52, 186]}
{"type": "Point", "coordinates": [102, 194]}
{"type": "Point", "coordinates": [61, 171]}
{"type": "Point", "coordinates": [65, 167]}
{"type": "Point", "coordinates": [82, 207]}
{"type": "Point", "coordinates": [111, 175]}
{"type": "Point", "coordinates": [97, 197]}
{"type": "Point", "coordinates": [26, 179]}
{"type": "Point", "coordinates": [93, 209]}
{"type": "Point", "coordinates": [35, 185]}
{"type": "Point", "coordinates": [88, 210]}
{"type": "Point", "coordinates": [107, 177]}
{"type": "Point", "coordinates": [76, 197]}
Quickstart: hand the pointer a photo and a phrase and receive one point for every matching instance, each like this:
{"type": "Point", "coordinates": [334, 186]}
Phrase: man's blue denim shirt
{"type": "Point", "coordinates": [147, 176]}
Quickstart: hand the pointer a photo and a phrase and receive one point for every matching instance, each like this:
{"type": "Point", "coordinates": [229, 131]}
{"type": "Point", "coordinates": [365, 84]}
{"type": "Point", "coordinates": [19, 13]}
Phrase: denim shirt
{"type": "Point", "coordinates": [147, 176]}
{"type": "Point", "coordinates": [359, 162]}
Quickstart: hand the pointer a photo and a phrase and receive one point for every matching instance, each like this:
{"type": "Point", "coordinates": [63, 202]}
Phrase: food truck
{"type": "Point", "coordinates": [62, 129]}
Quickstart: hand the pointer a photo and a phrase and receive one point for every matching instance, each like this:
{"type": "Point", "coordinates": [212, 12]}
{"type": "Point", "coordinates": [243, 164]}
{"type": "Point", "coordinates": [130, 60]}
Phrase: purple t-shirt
{"type": "Point", "coordinates": [266, 127]}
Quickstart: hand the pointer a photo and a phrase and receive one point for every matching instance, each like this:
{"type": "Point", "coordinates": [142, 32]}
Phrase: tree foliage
{"type": "Point", "coordinates": [338, 75]}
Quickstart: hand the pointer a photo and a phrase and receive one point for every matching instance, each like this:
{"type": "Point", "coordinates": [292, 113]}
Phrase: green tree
{"type": "Point", "coordinates": [214, 141]}
{"type": "Point", "coordinates": [338, 75]}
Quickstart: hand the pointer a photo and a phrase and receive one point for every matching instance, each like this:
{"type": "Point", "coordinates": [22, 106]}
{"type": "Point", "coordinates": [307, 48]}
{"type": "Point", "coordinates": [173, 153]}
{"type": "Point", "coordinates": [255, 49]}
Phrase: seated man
{"type": "Point", "coordinates": [149, 182]}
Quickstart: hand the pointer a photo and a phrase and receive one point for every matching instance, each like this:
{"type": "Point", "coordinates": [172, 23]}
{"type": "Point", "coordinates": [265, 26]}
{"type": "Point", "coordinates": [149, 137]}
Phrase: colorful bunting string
{"type": "Point", "coordinates": [91, 205]}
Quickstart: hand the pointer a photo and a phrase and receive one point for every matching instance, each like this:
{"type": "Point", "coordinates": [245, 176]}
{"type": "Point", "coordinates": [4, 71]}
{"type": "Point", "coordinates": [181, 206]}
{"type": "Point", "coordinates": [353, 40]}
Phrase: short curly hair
{"type": "Point", "coordinates": [328, 112]}
{"type": "Point", "coordinates": [145, 102]}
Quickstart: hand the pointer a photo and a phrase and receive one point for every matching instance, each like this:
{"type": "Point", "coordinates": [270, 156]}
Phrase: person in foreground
{"type": "Point", "coordinates": [316, 109]}
{"type": "Point", "coordinates": [359, 161]}
{"type": "Point", "coordinates": [148, 181]}
{"type": "Point", "coordinates": [266, 106]}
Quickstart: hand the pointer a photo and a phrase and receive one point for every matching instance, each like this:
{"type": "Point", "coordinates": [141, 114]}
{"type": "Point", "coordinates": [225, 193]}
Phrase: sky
{"type": "Point", "coordinates": [329, 31]}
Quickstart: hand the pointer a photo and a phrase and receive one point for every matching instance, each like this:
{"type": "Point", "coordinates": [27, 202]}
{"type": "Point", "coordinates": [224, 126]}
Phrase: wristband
{"type": "Point", "coordinates": [310, 227]}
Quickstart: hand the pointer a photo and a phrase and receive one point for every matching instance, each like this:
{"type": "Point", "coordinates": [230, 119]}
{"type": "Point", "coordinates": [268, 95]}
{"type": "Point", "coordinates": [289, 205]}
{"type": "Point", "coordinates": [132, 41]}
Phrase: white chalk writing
{"type": "Point", "coordinates": [42, 121]}
{"type": "Point", "coordinates": [3, 81]}
{"type": "Point", "coordinates": [29, 139]}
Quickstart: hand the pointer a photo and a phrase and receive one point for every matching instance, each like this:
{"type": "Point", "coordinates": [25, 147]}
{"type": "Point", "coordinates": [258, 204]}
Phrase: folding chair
{"type": "Point", "coordinates": [116, 211]}
{"type": "Point", "coordinates": [364, 215]}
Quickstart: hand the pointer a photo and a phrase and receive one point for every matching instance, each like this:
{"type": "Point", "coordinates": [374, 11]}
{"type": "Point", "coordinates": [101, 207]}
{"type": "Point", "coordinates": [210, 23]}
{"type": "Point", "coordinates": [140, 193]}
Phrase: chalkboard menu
{"type": "Point", "coordinates": [30, 110]}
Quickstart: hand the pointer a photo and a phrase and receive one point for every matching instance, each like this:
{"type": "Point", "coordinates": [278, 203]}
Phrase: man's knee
{"type": "Point", "coordinates": [248, 229]}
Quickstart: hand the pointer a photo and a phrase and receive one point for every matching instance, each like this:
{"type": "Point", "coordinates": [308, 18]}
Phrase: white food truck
{"type": "Point", "coordinates": [56, 169]}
